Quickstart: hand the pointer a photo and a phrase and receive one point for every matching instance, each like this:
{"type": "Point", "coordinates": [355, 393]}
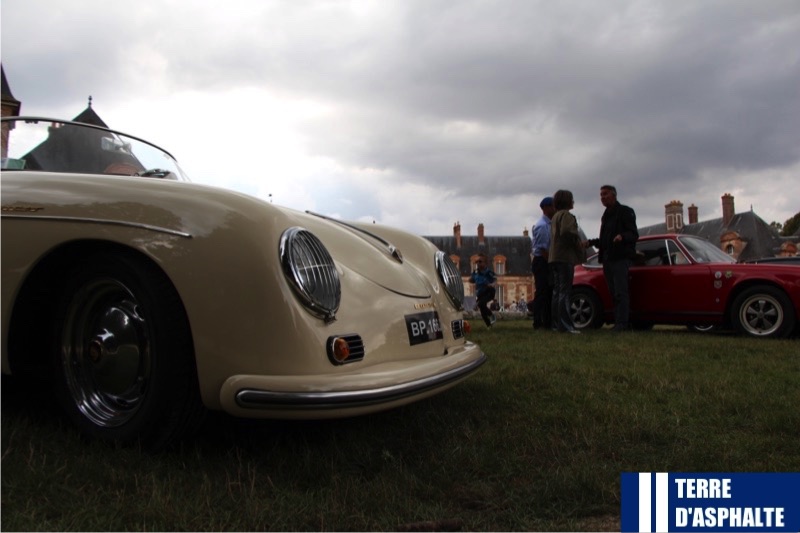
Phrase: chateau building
{"type": "Point", "coordinates": [744, 236]}
{"type": "Point", "coordinates": [509, 257]}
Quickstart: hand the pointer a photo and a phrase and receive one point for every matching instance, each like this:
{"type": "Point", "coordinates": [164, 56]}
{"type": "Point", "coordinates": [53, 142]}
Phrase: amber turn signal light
{"type": "Point", "coordinates": [345, 348]}
{"type": "Point", "coordinates": [341, 350]}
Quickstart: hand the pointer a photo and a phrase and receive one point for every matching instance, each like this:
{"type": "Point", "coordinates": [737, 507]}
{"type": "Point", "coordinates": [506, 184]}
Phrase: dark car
{"type": "Point", "coordinates": [686, 280]}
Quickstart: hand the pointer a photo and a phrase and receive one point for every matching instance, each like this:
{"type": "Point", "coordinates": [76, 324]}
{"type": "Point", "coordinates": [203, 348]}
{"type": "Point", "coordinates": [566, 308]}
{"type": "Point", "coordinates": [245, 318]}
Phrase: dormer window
{"type": "Point", "coordinates": [499, 265]}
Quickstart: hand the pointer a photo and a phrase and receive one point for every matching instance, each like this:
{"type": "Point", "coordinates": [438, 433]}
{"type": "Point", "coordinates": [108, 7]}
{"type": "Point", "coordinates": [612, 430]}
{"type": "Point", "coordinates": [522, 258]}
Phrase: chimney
{"type": "Point", "coordinates": [692, 214]}
{"type": "Point", "coordinates": [457, 234]}
{"type": "Point", "coordinates": [673, 212]}
{"type": "Point", "coordinates": [727, 209]}
{"type": "Point", "coordinates": [480, 234]}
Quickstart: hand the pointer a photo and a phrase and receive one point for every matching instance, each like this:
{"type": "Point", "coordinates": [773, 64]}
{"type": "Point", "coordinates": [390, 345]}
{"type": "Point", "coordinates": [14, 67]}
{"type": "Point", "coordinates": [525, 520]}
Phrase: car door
{"type": "Point", "coordinates": [666, 286]}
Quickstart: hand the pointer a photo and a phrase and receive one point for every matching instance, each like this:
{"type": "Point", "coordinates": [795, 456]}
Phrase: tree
{"type": "Point", "coordinates": [791, 226]}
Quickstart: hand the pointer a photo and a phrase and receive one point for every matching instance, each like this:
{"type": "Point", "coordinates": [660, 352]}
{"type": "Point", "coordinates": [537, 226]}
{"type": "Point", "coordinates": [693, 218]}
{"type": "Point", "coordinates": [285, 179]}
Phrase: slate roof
{"type": "Point", "coordinates": [762, 240]}
{"type": "Point", "coordinates": [5, 89]}
{"type": "Point", "coordinates": [71, 148]}
{"type": "Point", "coordinates": [88, 116]}
{"type": "Point", "coordinates": [11, 106]}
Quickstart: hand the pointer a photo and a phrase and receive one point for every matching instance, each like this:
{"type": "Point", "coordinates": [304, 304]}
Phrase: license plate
{"type": "Point", "coordinates": [423, 327]}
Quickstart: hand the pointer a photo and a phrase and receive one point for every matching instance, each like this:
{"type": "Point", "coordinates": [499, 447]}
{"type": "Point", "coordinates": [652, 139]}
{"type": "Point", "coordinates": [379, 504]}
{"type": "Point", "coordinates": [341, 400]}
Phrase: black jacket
{"type": "Point", "coordinates": [617, 219]}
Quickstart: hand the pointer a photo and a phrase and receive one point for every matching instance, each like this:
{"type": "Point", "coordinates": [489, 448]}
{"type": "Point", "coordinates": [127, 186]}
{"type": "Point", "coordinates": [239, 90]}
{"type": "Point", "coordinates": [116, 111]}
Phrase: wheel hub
{"type": "Point", "coordinates": [107, 352]}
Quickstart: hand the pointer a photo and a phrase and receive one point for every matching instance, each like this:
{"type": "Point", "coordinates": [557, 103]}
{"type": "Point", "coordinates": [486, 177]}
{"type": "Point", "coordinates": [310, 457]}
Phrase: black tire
{"type": "Point", "coordinates": [585, 309]}
{"type": "Point", "coordinates": [763, 311]}
{"type": "Point", "coordinates": [124, 366]}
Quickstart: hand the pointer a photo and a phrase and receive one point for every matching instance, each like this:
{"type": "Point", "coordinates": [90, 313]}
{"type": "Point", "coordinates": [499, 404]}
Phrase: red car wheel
{"type": "Point", "coordinates": [763, 311]}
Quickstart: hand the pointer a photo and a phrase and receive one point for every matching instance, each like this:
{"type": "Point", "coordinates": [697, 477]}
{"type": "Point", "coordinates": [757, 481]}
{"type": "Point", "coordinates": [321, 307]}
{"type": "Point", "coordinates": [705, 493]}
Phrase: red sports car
{"type": "Point", "coordinates": [683, 279]}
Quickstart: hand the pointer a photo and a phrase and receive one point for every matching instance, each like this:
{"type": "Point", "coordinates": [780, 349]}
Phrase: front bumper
{"type": "Point", "coordinates": [376, 388]}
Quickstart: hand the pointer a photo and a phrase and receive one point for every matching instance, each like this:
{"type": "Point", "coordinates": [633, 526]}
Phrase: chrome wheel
{"type": "Point", "coordinates": [105, 352]}
{"type": "Point", "coordinates": [124, 360]}
{"type": "Point", "coordinates": [764, 312]}
{"type": "Point", "coordinates": [585, 309]}
{"type": "Point", "coordinates": [760, 315]}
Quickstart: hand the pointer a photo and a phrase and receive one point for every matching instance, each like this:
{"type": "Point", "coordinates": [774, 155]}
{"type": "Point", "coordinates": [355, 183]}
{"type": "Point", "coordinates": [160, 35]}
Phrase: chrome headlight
{"type": "Point", "coordinates": [311, 272]}
{"type": "Point", "coordinates": [451, 278]}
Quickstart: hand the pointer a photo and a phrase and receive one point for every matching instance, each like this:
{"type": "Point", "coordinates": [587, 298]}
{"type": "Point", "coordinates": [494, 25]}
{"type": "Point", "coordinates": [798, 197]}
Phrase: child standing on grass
{"type": "Point", "coordinates": [485, 280]}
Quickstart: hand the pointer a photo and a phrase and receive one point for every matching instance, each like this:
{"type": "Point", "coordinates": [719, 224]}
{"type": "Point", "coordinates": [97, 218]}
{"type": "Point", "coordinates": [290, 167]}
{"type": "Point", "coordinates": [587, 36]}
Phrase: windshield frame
{"type": "Point", "coordinates": [9, 124]}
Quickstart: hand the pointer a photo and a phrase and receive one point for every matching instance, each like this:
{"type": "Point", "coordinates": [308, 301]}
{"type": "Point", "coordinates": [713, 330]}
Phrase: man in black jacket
{"type": "Point", "coordinates": [617, 245]}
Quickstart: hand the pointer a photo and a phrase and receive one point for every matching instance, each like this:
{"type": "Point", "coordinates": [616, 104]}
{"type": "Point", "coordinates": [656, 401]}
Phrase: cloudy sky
{"type": "Point", "coordinates": [421, 113]}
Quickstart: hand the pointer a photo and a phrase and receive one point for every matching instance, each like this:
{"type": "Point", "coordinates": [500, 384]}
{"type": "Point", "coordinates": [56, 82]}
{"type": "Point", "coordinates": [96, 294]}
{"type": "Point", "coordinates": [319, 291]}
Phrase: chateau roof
{"type": "Point", "coordinates": [516, 250]}
{"type": "Point", "coordinates": [6, 89]}
{"type": "Point", "coordinates": [762, 240]}
{"type": "Point", "coordinates": [88, 116]}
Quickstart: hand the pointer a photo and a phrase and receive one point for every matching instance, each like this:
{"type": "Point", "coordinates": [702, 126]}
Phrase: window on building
{"type": "Point", "coordinates": [729, 249]}
{"type": "Point", "coordinates": [499, 265]}
{"type": "Point", "coordinates": [674, 221]}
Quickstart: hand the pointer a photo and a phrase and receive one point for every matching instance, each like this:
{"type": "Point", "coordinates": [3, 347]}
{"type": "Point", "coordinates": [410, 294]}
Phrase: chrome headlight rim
{"type": "Point", "coordinates": [311, 272]}
{"type": "Point", "coordinates": [451, 279]}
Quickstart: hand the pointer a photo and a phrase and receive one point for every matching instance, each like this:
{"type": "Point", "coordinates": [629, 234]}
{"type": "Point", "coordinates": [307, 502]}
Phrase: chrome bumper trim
{"type": "Point", "coordinates": [299, 401]}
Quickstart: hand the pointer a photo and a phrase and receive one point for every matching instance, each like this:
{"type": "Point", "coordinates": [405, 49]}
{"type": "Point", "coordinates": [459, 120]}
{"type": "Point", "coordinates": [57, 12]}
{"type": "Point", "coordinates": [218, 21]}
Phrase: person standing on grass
{"type": "Point", "coordinates": [617, 247]}
{"type": "Point", "coordinates": [566, 250]}
{"type": "Point", "coordinates": [485, 281]}
{"type": "Point", "coordinates": [542, 279]}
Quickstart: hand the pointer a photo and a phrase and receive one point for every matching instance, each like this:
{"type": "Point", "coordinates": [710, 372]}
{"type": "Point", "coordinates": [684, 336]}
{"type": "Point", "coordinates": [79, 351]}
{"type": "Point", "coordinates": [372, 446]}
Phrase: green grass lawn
{"type": "Point", "coordinates": [536, 440]}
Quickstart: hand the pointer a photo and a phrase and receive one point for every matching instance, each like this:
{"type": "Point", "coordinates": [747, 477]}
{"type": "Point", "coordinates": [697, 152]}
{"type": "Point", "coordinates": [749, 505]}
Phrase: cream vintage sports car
{"type": "Point", "coordinates": [146, 299]}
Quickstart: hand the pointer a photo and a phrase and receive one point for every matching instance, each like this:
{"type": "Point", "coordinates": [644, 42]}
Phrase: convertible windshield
{"type": "Point", "coordinates": [47, 145]}
{"type": "Point", "coordinates": [705, 252]}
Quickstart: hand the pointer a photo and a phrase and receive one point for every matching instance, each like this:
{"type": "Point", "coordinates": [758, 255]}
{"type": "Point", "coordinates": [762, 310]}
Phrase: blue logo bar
{"type": "Point", "coordinates": [735, 502]}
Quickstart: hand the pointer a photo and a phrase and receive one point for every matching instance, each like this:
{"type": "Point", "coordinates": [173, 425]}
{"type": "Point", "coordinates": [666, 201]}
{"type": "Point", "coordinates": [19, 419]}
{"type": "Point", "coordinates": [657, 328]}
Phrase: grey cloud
{"type": "Point", "coordinates": [701, 93]}
{"type": "Point", "coordinates": [474, 98]}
